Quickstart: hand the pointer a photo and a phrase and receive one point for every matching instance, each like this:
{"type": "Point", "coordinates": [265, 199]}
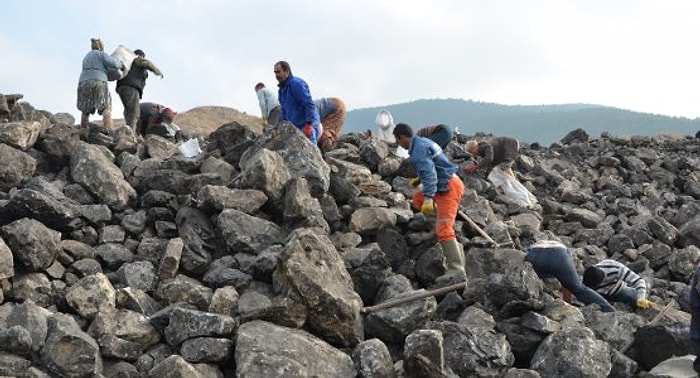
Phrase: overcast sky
{"type": "Point", "coordinates": [632, 54]}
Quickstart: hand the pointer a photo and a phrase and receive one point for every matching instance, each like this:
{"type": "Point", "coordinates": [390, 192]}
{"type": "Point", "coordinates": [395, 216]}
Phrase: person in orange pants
{"type": "Point", "coordinates": [441, 192]}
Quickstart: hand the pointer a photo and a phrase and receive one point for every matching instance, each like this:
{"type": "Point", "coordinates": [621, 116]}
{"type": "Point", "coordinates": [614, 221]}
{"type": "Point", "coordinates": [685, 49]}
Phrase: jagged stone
{"type": "Point", "coordinates": [372, 359]}
{"type": "Point", "coordinates": [294, 352]}
{"type": "Point", "coordinates": [34, 245]}
{"type": "Point", "coordinates": [311, 271]}
{"type": "Point", "coordinates": [68, 351]}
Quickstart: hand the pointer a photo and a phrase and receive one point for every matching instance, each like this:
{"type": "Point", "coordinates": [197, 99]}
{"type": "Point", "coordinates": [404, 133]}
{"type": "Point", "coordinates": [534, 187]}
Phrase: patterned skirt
{"type": "Point", "coordinates": [94, 96]}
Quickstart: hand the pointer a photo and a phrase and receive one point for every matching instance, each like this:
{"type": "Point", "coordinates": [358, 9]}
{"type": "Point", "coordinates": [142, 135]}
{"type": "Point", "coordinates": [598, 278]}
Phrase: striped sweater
{"type": "Point", "coordinates": [618, 276]}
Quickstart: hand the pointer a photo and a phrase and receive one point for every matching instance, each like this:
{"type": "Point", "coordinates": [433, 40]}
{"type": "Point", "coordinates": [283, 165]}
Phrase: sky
{"type": "Point", "coordinates": [639, 55]}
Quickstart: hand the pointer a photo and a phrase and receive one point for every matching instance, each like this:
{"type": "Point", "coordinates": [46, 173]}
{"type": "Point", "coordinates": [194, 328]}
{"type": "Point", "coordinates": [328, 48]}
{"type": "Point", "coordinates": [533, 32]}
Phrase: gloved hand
{"type": "Point", "coordinates": [472, 168]}
{"type": "Point", "coordinates": [414, 182]}
{"type": "Point", "coordinates": [308, 130]}
{"type": "Point", "coordinates": [428, 206]}
{"type": "Point", "coordinates": [644, 303]}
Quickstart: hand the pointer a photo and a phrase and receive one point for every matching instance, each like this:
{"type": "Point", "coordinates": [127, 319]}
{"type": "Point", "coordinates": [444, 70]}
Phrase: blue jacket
{"type": "Point", "coordinates": [432, 166]}
{"type": "Point", "coordinates": [297, 105]}
{"type": "Point", "coordinates": [95, 66]}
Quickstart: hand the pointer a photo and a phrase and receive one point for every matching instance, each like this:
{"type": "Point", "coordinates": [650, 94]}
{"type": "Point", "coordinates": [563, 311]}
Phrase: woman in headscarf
{"type": "Point", "coordinates": [93, 93]}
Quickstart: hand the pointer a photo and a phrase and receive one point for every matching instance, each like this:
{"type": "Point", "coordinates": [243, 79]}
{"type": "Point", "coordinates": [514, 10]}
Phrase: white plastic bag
{"type": "Point", "coordinates": [125, 56]}
{"type": "Point", "coordinates": [190, 148]}
{"type": "Point", "coordinates": [512, 187]}
{"type": "Point", "coordinates": [385, 126]}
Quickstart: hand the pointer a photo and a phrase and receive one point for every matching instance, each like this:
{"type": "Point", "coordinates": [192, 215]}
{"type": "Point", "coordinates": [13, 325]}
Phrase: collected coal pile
{"type": "Point", "coordinates": [121, 258]}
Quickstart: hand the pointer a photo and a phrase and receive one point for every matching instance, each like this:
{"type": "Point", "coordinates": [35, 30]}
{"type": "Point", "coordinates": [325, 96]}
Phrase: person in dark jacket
{"type": "Point", "coordinates": [498, 151]}
{"type": "Point", "coordinates": [297, 104]}
{"type": "Point", "coordinates": [332, 113]}
{"type": "Point", "coordinates": [130, 88]}
{"type": "Point", "coordinates": [440, 134]}
{"type": "Point", "coordinates": [158, 120]}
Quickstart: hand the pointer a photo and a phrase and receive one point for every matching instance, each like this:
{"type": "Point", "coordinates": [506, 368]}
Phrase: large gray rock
{"type": "Point", "coordinates": [300, 208]}
{"type": "Point", "coordinates": [311, 271]}
{"type": "Point", "coordinates": [90, 167]}
{"type": "Point", "coordinates": [68, 351]}
{"type": "Point", "coordinates": [246, 233]}
{"type": "Point", "coordinates": [122, 334]}
{"type": "Point", "coordinates": [89, 295]}
{"type": "Point", "coordinates": [657, 342]}
{"type": "Point", "coordinates": [423, 354]}
{"type": "Point", "coordinates": [572, 353]}
{"type": "Point", "coordinates": [265, 171]}
{"type": "Point", "coordinates": [15, 166]}
{"type": "Point", "coordinates": [34, 245]}
{"type": "Point", "coordinates": [287, 352]}
{"type": "Point", "coordinates": [58, 214]}
{"type": "Point", "coordinates": [186, 324]}
{"type": "Point", "coordinates": [301, 157]}
{"type": "Point", "coordinates": [215, 198]}
{"type": "Point", "coordinates": [372, 359]}
{"type": "Point", "coordinates": [369, 220]}
{"type": "Point", "coordinates": [393, 324]}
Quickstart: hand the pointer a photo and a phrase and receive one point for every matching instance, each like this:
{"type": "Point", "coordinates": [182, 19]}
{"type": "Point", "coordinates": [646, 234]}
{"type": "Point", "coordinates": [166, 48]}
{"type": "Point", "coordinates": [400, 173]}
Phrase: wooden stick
{"type": "Point", "coordinates": [413, 297]}
{"type": "Point", "coordinates": [655, 320]}
{"type": "Point", "coordinates": [481, 232]}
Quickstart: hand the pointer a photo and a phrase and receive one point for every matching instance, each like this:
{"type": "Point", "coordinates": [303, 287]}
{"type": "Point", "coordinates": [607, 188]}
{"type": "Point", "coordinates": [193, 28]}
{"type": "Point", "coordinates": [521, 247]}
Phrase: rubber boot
{"type": "Point", "coordinates": [454, 259]}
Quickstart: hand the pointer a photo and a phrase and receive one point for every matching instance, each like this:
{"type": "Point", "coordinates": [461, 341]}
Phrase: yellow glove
{"type": "Point", "coordinates": [428, 206]}
{"type": "Point", "coordinates": [414, 182]}
{"type": "Point", "coordinates": [644, 303]}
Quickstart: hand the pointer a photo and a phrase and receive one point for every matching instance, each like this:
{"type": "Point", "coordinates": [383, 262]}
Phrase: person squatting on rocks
{"type": "Point", "coordinates": [331, 110]}
{"type": "Point", "coordinates": [93, 92]}
{"type": "Point", "coordinates": [551, 259]}
{"type": "Point", "coordinates": [297, 104]}
{"type": "Point", "coordinates": [442, 191]}
{"type": "Point", "coordinates": [495, 152]}
{"type": "Point", "coordinates": [695, 317]}
{"type": "Point", "coordinates": [269, 105]}
{"type": "Point", "coordinates": [130, 88]}
{"type": "Point", "coordinates": [156, 119]}
{"type": "Point", "coordinates": [440, 134]}
{"type": "Point", "coordinates": [617, 283]}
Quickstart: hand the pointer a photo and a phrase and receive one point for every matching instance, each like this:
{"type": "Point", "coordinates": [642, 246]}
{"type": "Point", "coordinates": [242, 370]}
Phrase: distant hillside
{"type": "Point", "coordinates": [544, 124]}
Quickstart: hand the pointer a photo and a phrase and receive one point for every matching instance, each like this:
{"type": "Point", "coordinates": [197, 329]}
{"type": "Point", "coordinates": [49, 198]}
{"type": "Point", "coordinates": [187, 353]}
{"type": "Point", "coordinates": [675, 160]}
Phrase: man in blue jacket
{"type": "Point", "coordinates": [297, 104]}
{"type": "Point", "coordinates": [442, 192]}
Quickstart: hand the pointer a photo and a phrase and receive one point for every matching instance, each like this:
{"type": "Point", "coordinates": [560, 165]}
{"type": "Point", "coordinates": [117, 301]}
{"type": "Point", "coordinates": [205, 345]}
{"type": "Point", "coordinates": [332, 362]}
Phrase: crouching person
{"type": "Point", "coordinates": [617, 283]}
{"type": "Point", "coordinates": [332, 113]}
{"type": "Point", "coordinates": [158, 120]}
{"type": "Point", "coordinates": [552, 259]}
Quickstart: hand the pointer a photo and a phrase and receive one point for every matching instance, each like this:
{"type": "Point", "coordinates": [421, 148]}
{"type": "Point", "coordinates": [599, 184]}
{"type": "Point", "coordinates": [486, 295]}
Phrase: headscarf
{"type": "Point", "coordinates": [96, 44]}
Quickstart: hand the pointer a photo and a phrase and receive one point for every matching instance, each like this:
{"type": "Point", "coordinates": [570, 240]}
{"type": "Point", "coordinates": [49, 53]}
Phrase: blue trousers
{"type": "Point", "coordinates": [442, 136]}
{"type": "Point", "coordinates": [556, 262]}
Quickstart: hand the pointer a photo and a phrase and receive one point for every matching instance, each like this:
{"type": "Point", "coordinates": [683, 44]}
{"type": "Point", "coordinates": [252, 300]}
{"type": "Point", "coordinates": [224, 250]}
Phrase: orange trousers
{"type": "Point", "coordinates": [447, 205]}
{"type": "Point", "coordinates": [332, 125]}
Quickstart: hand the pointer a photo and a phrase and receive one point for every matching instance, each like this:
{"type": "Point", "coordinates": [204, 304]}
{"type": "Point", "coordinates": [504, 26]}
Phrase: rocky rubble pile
{"type": "Point", "coordinates": [118, 257]}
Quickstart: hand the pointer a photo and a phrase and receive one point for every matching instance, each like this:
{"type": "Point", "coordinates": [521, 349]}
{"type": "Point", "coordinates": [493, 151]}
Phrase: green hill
{"type": "Point", "coordinates": [544, 124]}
